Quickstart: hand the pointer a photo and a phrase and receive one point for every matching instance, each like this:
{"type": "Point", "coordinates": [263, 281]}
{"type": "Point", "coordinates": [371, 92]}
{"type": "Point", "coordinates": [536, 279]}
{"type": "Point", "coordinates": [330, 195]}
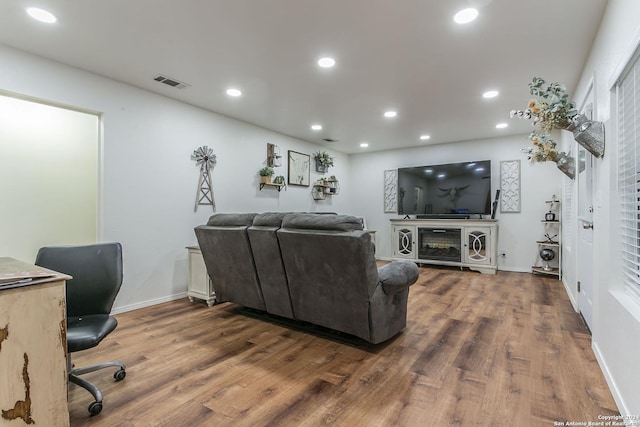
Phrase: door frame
{"type": "Point", "coordinates": [584, 214]}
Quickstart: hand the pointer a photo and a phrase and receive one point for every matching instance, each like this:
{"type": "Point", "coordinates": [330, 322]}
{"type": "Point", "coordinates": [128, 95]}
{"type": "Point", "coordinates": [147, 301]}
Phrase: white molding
{"type": "Point", "coordinates": [617, 396]}
{"type": "Point", "coordinates": [574, 302]}
{"type": "Point", "coordinates": [627, 56]}
{"type": "Point", "coordinates": [514, 269]}
{"type": "Point", "coordinates": [148, 303]}
{"type": "Point", "coordinates": [590, 97]}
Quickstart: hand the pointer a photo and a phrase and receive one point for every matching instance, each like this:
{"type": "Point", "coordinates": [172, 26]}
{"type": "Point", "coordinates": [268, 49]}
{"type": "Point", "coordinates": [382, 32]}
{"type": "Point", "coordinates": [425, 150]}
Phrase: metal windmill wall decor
{"type": "Point", "coordinates": [204, 158]}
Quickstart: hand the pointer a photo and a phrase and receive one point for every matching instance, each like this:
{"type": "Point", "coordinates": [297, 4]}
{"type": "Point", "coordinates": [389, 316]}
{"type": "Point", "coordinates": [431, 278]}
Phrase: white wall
{"type": "Point", "coordinates": [48, 177]}
{"type": "Point", "coordinates": [149, 180]}
{"type": "Point", "coordinates": [616, 319]}
{"type": "Point", "coordinates": [517, 233]}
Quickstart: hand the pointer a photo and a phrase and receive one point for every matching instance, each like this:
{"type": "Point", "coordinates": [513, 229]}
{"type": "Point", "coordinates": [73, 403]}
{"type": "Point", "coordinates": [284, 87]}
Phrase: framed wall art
{"type": "Point", "coordinates": [299, 168]}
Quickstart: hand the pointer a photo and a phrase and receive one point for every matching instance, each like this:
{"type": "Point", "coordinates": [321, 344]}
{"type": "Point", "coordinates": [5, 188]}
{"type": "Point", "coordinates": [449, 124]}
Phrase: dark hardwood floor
{"type": "Point", "coordinates": [479, 350]}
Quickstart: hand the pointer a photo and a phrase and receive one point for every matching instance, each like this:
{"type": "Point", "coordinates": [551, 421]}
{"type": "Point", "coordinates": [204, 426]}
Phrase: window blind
{"type": "Point", "coordinates": [628, 95]}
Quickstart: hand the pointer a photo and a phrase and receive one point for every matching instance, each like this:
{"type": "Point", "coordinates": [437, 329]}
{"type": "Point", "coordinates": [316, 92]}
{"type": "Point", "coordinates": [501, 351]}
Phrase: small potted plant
{"type": "Point", "coordinates": [279, 180]}
{"type": "Point", "coordinates": [265, 174]}
{"type": "Point", "coordinates": [318, 193]}
{"type": "Point", "coordinates": [323, 161]}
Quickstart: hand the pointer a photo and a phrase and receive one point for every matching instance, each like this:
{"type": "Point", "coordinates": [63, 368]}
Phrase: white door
{"type": "Point", "coordinates": [585, 236]}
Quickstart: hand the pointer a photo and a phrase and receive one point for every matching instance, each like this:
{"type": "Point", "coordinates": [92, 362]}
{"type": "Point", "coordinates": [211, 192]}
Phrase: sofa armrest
{"type": "Point", "coordinates": [397, 275]}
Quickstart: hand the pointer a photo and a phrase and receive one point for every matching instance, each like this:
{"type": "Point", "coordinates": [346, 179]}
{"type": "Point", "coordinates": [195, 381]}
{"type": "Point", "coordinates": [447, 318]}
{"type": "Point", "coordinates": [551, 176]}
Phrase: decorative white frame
{"type": "Point", "coordinates": [391, 191]}
{"type": "Point", "coordinates": [510, 186]}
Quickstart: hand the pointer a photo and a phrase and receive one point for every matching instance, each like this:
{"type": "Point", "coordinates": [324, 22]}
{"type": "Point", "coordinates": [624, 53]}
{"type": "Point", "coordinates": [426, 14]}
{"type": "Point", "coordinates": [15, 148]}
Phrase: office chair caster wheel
{"type": "Point", "coordinates": [95, 408]}
{"type": "Point", "coordinates": [120, 375]}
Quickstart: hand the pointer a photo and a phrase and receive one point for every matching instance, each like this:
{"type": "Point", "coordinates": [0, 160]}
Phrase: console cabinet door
{"type": "Point", "coordinates": [199, 284]}
{"type": "Point", "coordinates": [403, 241]}
{"type": "Point", "coordinates": [478, 245]}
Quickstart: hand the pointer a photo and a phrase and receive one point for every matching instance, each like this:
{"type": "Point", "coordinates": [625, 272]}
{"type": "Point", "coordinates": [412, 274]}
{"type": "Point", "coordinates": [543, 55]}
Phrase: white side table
{"type": "Point", "coordinates": [199, 284]}
{"type": "Point", "coordinates": [372, 233]}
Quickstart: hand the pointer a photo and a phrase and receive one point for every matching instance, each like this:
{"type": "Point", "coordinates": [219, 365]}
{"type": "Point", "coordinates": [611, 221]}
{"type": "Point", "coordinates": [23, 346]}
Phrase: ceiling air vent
{"type": "Point", "coordinates": [170, 81]}
{"type": "Point", "coordinates": [329, 140]}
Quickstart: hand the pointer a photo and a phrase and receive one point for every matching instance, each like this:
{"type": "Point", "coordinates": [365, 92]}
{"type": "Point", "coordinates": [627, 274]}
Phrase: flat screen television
{"type": "Point", "coordinates": [454, 190]}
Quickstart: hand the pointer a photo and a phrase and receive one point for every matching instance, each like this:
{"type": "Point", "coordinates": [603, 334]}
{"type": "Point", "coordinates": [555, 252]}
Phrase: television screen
{"type": "Point", "coordinates": [451, 189]}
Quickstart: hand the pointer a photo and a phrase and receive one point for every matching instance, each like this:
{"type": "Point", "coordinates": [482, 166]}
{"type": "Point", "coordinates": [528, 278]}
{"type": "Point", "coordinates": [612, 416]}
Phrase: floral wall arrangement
{"type": "Point", "coordinates": [553, 110]}
{"type": "Point", "coordinates": [323, 161]}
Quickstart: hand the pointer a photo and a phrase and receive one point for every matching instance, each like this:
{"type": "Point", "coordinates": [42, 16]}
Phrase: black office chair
{"type": "Point", "coordinates": [97, 276]}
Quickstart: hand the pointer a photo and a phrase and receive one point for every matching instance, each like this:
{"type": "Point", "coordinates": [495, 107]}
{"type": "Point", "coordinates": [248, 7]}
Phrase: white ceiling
{"type": "Point", "coordinates": [405, 55]}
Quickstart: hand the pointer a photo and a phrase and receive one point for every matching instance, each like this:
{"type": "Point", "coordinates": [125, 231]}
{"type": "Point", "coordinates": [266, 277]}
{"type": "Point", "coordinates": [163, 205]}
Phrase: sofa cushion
{"type": "Point", "coordinates": [269, 219]}
{"type": "Point", "coordinates": [322, 222]}
{"type": "Point", "coordinates": [268, 262]}
{"type": "Point", "coordinates": [231, 219]}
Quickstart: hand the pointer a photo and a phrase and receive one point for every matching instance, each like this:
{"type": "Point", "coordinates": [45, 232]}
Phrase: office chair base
{"type": "Point", "coordinates": [95, 408]}
{"type": "Point", "coordinates": [119, 375]}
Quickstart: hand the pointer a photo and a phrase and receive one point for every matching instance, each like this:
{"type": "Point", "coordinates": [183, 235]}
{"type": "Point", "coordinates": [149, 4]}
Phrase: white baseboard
{"type": "Point", "coordinates": [514, 269]}
{"type": "Point", "coordinates": [148, 303]}
{"type": "Point", "coordinates": [574, 303]}
{"type": "Point", "coordinates": [617, 397]}
{"type": "Point", "coordinates": [500, 268]}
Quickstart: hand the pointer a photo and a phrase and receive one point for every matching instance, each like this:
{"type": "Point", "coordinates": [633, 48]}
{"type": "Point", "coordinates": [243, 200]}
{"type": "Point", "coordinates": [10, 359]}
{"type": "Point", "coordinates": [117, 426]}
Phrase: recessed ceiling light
{"type": "Point", "coordinates": [501, 125]}
{"type": "Point", "coordinates": [424, 137]}
{"type": "Point", "coordinates": [316, 127]}
{"type": "Point", "coordinates": [466, 15]}
{"type": "Point", "coordinates": [490, 94]}
{"type": "Point", "coordinates": [233, 92]}
{"type": "Point", "coordinates": [41, 15]}
{"type": "Point", "coordinates": [364, 145]}
{"type": "Point", "coordinates": [326, 62]}
{"type": "Point", "coordinates": [390, 114]}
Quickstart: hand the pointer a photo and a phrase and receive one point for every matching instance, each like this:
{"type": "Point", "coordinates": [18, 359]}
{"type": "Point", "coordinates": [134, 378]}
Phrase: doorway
{"type": "Point", "coordinates": [49, 176]}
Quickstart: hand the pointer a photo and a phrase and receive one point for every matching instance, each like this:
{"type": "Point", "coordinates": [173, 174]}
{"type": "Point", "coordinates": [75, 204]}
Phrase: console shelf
{"type": "Point", "coordinates": [467, 243]}
{"type": "Point", "coordinates": [553, 232]}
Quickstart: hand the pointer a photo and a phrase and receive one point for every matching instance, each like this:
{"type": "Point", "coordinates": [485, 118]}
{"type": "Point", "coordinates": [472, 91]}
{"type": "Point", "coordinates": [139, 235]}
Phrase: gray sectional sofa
{"type": "Point", "coordinates": [313, 268]}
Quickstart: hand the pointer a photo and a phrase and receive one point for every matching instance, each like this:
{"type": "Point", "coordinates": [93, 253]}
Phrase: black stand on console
{"type": "Point", "coordinates": [495, 205]}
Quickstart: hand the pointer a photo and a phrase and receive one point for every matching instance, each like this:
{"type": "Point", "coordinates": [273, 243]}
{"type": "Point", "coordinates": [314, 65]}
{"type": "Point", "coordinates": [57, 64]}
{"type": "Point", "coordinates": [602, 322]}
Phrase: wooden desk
{"type": "Point", "coordinates": [33, 346]}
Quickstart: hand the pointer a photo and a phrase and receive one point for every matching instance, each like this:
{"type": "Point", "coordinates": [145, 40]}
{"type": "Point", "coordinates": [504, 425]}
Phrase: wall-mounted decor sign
{"type": "Point", "coordinates": [206, 160]}
{"type": "Point", "coordinates": [510, 186]}
{"type": "Point", "coordinates": [391, 191]}
{"type": "Point", "coordinates": [299, 168]}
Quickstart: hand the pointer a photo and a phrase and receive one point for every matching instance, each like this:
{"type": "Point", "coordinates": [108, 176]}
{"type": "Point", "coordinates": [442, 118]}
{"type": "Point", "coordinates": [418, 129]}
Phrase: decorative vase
{"type": "Point", "coordinates": [566, 164]}
{"type": "Point", "coordinates": [547, 255]}
{"type": "Point", "coordinates": [588, 133]}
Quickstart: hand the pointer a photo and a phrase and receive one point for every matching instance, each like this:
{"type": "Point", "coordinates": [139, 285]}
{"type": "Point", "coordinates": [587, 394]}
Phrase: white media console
{"type": "Point", "coordinates": [468, 243]}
